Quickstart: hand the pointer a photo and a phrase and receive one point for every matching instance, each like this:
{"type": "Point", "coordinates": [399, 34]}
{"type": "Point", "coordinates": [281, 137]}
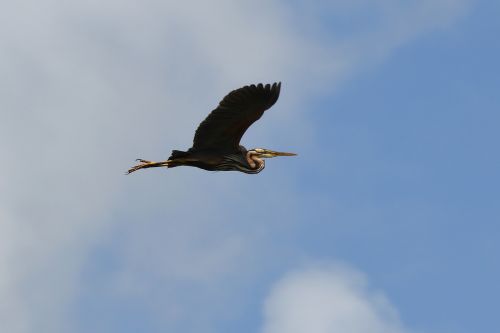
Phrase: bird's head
{"type": "Point", "coordinates": [266, 153]}
{"type": "Point", "coordinates": [255, 157]}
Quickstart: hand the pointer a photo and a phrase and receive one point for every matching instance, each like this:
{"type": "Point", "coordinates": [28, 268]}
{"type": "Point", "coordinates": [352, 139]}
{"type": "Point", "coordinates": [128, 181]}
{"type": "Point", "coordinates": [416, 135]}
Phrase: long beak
{"type": "Point", "coordinates": [269, 153]}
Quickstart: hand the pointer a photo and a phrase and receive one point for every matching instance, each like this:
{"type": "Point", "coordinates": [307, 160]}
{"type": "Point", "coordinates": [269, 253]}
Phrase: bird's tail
{"type": "Point", "coordinates": [178, 154]}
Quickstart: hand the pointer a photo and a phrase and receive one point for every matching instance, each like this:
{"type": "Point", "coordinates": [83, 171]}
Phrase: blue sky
{"type": "Point", "coordinates": [387, 221]}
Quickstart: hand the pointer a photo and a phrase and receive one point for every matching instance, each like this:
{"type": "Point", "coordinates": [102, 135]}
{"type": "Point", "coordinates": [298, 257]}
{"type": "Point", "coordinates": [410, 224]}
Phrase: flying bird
{"type": "Point", "coordinates": [216, 144]}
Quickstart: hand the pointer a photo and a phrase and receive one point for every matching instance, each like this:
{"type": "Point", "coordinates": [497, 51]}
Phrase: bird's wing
{"type": "Point", "coordinates": [224, 126]}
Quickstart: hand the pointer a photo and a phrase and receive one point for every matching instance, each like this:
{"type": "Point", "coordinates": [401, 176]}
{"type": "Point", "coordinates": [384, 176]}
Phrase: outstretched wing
{"type": "Point", "coordinates": [224, 126]}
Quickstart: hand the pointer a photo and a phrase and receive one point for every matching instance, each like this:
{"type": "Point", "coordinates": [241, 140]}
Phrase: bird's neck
{"type": "Point", "coordinates": [254, 161]}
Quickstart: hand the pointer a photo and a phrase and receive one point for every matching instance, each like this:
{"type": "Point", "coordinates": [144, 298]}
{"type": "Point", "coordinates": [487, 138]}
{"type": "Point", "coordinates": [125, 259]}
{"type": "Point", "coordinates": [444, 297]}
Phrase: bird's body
{"type": "Point", "coordinates": [216, 144]}
{"type": "Point", "coordinates": [211, 160]}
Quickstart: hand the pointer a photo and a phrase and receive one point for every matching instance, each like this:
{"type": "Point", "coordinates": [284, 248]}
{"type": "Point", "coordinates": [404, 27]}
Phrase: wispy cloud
{"type": "Point", "coordinates": [89, 86]}
{"type": "Point", "coordinates": [328, 299]}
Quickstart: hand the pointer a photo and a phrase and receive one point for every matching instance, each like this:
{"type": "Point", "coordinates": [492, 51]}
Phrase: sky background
{"type": "Point", "coordinates": [386, 222]}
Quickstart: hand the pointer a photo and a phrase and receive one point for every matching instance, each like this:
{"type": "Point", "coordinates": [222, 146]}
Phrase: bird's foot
{"type": "Point", "coordinates": [143, 164]}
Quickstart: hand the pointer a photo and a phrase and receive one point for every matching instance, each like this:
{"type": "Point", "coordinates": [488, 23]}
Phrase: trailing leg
{"type": "Point", "coordinates": [148, 164]}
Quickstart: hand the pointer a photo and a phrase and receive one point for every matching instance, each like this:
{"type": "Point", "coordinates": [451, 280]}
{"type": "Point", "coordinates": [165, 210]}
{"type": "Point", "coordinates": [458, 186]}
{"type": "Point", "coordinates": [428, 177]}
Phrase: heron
{"type": "Point", "coordinates": [216, 143]}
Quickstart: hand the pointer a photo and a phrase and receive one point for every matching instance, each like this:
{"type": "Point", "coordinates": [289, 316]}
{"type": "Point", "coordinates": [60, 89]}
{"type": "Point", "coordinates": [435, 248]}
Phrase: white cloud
{"type": "Point", "coordinates": [328, 299]}
{"type": "Point", "coordinates": [89, 85]}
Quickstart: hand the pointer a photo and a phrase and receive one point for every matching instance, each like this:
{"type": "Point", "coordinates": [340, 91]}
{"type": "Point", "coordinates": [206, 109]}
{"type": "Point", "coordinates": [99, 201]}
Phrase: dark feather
{"type": "Point", "coordinates": [224, 126]}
